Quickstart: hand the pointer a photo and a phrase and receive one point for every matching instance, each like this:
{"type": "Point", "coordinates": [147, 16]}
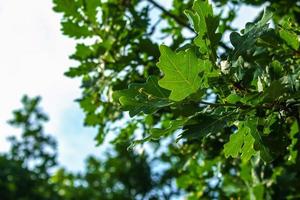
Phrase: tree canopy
{"type": "Point", "coordinates": [216, 118]}
{"type": "Point", "coordinates": [228, 111]}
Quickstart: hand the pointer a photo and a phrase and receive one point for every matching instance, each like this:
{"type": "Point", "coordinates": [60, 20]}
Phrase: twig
{"type": "Point", "coordinates": [166, 12]}
{"type": "Point", "coordinates": [243, 106]}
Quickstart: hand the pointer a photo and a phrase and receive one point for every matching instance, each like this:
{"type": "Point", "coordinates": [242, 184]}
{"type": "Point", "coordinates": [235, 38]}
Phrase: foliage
{"type": "Point", "coordinates": [223, 114]}
{"type": "Point", "coordinates": [25, 169]}
{"type": "Point", "coordinates": [30, 171]}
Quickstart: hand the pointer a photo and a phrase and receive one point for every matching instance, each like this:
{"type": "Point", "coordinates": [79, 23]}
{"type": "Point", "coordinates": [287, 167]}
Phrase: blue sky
{"type": "Point", "coordinates": [33, 57]}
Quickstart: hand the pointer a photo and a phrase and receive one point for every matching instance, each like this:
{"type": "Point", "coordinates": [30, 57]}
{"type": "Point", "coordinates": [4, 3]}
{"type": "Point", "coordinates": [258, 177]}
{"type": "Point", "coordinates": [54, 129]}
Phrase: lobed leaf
{"type": "Point", "coordinates": [240, 142]}
{"type": "Point", "coordinates": [246, 41]}
{"type": "Point", "coordinates": [181, 72]}
{"type": "Point", "coordinates": [205, 25]}
{"type": "Point", "coordinates": [143, 97]}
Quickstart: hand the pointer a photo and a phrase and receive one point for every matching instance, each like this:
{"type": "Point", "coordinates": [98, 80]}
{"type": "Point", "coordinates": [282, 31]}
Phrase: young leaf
{"type": "Point", "coordinates": [240, 142]}
{"type": "Point", "coordinates": [143, 97]}
{"type": "Point", "coordinates": [290, 38]}
{"type": "Point", "coordinates": [234, 146]}
{"type": "Point", "coordinates": [248, 148]}
{"type": "Point", "coordinates": [205, 25]}
{"type": "Point", "coordinates": [181, 72]}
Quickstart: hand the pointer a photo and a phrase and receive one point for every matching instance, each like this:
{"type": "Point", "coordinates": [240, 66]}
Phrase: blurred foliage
{"type": "Point", "coordinates": [30, 171]}
{"type": "Point", "coordinates": [25, 168]}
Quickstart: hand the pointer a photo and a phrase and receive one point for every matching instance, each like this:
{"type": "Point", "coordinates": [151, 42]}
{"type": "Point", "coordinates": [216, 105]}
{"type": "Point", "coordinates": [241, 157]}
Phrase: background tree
{"type": "Point", "coordinates": [25, 169]}
{"type": "Point", "coordinates": [30, 171]}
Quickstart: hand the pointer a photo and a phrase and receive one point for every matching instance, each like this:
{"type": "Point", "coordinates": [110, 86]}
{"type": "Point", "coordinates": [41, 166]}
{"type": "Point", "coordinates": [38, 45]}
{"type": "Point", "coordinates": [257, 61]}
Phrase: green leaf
{"type": "Point", "coordinates": [181, 72]}
{"type": "Point", "coordinates": [202, 126]}
{"type": "Point", "coordinates": [245, 42]}
{"type": "Point", "coordinates": [76, 31]}
{"type": "Point", "coordinates": [143, 97]}
{"type": "Point", "coordinates": [248, 147]}
{"type": "Point", "coordinates": [201, 10]}
{"type": "Point", "coordinates": [233, 98]}
{"type": "Point", "coordinates": [273, 92]}
{"type": "Point", "coordinates": [91, 9]}
{"type": "Point", "coordinates": [293, 146]}
{"type": "Point", "coordinates": [68, 7]}
{"type": "Point", "coordinates": [290, 38]}
{"type": "Point", "coordinates": [234, 146]}
{"type": "Point", "coordinates": [205, 25]}
{"type": "Point", "coordinates": [257, 192]}
{"type": "Point", "coordinates": [240, 142]}
{"type": "Point", "coordinates": [276, 69]}
{"type": "Point", "coordinates": [157, 133]}
{"type": "Point", "coordinates": [258, 144]}
{"type": "Point", "coordinates": [245, 172]}
{"type": "Point", "coordinates": [81, 70]}
{"type": "Point", "coordinates": [82, 52]}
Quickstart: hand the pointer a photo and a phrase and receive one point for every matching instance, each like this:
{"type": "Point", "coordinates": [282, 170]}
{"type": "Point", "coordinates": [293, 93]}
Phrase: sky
{"type": "Point", "coordinates": [33, 57]}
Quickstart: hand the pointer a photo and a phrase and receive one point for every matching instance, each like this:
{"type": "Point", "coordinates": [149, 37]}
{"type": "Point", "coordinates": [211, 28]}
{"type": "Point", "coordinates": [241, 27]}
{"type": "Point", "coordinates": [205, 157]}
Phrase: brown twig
{"type": "Point", "coordinates": [166, 12]}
